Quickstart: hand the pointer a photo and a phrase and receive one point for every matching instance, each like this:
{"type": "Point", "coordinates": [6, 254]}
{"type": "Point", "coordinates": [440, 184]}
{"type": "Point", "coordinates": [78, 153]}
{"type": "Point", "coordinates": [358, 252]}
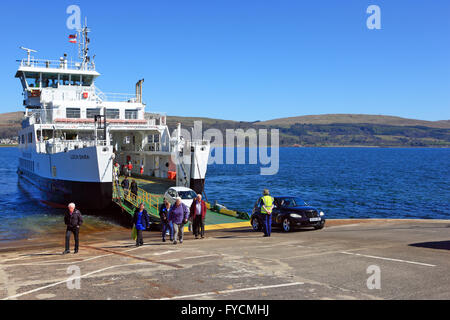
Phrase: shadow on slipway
{"type": "Point", "coordinates": [442, 245]}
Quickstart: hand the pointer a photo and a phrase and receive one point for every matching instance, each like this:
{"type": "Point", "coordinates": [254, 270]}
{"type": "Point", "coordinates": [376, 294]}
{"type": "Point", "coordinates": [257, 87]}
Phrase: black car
{"type": "Point", "coordinates": [290, 213]}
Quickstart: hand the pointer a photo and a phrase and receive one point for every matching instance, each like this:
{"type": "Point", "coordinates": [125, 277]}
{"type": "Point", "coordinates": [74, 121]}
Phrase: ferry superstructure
{"type": "Point", "coordinates": [73, 134]}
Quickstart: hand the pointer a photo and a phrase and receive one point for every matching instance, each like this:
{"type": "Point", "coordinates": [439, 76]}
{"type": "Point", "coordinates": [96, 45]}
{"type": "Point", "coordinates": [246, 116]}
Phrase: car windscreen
{"type": "Point", "coordinates": [291, 202]}
{"type": "Point", "coordinates": [187, 194]}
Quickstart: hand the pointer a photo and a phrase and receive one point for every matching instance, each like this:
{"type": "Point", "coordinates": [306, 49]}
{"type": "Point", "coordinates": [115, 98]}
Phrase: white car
{"type": "Point", "coordinates": [187, 195]}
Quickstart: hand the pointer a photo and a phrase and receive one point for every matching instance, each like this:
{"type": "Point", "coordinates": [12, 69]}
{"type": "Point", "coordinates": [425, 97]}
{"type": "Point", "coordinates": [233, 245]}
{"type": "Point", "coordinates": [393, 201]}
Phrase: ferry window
{"type": "Point", "coordinates": [30, 137]}
{"type": "Point", "coordinates": [130, 114]}
{"type": "Point", "coordinates": [23, 139]}
{"type": "Point", "coordinates": [73, 113]}
{"type": "Point", "coordinates": [112, 114]}
{"type": "Point", "coordinates": [91, 113]}
{"type": "Point", "coordinates": [87, 81]}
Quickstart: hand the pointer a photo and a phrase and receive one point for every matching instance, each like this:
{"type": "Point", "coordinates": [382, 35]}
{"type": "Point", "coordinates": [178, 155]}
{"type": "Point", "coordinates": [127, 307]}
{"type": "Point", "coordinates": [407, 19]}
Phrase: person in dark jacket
{"type": "Point", "coordinates": [198, 213]}
{"type": "Point", "coordinates": [166, 225]}
{"type": "Point", "coordinates": [142, 221]}
{"type": "Point", "coordinates": [73, 221]}
{"type": "Point", "coordinates": [134, 189]}
{"type": "Point", "coordinates": [125, 186]}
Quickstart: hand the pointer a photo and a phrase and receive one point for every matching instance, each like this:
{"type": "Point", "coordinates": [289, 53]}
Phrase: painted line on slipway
{"type": "Point", "coordinates": [136, 257]}
{"type": "Point", "coordinates": [389, 259]}
{"type": "Point", "coordinates": [234, 290]}
{"type": "Point", "coordinates": [220, 226]}
{"type": "Point", "coordinates": [72, 279]}
{"type": "Point", "coordinates": [56, 262]}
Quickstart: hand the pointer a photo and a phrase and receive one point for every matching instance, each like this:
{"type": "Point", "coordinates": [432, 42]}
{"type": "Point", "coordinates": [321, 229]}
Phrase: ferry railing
{"type": "Point", "coordinates": [151, 201]}
{"type": "Point", "coordinates": [65, 145]}
{"type": "Point", "coordinates": [115, 97]}
{"type": "Point", "coordinates": [56, 64]}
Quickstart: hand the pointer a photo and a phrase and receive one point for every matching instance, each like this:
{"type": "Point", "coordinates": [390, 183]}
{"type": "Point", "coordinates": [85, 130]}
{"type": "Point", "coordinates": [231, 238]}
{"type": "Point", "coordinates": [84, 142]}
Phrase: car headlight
{"type": "Point", "coordinates": [295, 215]}
{"type": "Point", "coordinates": [321, 213]}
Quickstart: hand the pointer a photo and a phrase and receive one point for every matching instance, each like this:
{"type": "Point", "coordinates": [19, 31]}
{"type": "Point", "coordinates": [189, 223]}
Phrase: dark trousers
{"type": "Point", "coordinates": [267, 224]}
{"type": "Point", "coordinates": [167, 226]}
{"type": "Point", "coordinates": [75, 232]}
{"type": "Point", "coordinates": [139, 239]}
{"type": "Point", "coordinates": [199, 225]}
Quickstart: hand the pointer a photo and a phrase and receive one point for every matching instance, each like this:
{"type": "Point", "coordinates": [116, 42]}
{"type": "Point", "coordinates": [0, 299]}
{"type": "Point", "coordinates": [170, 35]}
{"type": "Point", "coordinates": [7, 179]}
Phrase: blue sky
{"type": "Point", "coordinates": [249, 59]}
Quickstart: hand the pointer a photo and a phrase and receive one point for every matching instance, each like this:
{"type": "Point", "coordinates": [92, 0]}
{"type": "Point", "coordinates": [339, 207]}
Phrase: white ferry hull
{"type": "Point", "coordinates": [82, 176]}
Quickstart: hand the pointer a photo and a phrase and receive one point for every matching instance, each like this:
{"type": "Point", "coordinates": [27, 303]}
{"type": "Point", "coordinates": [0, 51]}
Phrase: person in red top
{"type": "Point", "coordinates": [198, 213]}
{"type": "Point", "coordinates": [130, 167]}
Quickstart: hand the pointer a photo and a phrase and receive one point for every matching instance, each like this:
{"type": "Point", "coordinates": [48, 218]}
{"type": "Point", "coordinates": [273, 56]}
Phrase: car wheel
{"type": "Point", "coordinates": [256, 225]}
{"type": "Point", "coordinates": [320, 226]}
{"type": "Point", "coordinates": [287, 225]}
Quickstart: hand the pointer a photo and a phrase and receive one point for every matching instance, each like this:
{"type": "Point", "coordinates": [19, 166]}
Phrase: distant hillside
{"type": "Point", "coordinates": [355, 119]}
{"type": "Point", "coordinates": [10, 124]}
{"type": "Point", "coordinates": [314, 130]}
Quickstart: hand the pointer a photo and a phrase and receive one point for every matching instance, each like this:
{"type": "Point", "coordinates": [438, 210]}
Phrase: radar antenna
{"type": "Point", "coordinates": [28, 54]}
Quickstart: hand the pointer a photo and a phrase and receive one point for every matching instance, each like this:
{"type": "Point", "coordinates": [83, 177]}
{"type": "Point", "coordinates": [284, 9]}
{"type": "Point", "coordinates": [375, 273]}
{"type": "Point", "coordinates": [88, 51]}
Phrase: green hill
{"type": "Point", "coordinates": [314, 130]}
{"type": "Point", "coordinates": [355, 119]}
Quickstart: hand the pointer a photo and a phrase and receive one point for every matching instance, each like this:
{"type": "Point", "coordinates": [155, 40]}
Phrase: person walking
{"type": "Point", "coordinates": [166, 224]}
{"type": "Point", "coordinates": [125, 186]}
{"type": "Point", "coordinates": [141, 221]}
{"type": "Point", "coordinates": [134, 190]}
{"type": "Point", "coordinates": [73, 221]}
{"type": "Point", "coordinates": [130, 168]}
{"type": "Point", "coordinates": [265, 203]}
{"type": "Point", "coordinates": [198, 213]}
{"type": "Point", "coordinates": [178, 215]}
{"type": "Point", "coordinates": [116, 173]}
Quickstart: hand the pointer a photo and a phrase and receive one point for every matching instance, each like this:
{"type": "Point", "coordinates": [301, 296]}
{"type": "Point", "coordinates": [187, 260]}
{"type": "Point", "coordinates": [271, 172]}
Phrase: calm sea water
{"type": "Point", "coordinates": [343, 182]}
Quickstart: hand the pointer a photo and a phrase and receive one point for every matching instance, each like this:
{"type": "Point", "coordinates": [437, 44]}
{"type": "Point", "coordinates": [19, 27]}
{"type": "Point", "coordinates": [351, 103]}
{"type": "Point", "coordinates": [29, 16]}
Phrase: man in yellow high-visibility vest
{"type": "Point", "coordinates": [266, 205]}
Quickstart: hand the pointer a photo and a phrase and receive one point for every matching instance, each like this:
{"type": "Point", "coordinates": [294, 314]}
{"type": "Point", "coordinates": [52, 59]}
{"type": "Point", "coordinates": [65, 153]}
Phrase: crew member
{"type": "Point", "coordinates": [73, 221]}
{"type": "Point", "coordinates": [265, 203]}
{"type": "Point", "coordinates": [130, 168]}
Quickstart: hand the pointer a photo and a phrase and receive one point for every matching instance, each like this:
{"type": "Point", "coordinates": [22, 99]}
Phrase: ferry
{"type": "Point", "coordinates": [73, 134]}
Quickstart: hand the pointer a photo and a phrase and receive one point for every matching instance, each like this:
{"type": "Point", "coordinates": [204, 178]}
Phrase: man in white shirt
{"type": "Point", "coordinates": [198, 213]}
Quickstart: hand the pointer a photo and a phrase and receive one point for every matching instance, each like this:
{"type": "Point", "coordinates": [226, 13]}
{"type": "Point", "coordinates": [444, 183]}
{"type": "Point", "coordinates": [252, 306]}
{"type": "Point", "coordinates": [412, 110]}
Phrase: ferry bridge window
{"type": "Point", "coordinates": [73, 113]}
{"type": "Point", "coordinates": [112, 113]}
{"type": "Point", "coordinates": [87, 81]}
{"type": "Point", "coordinates": [130, 114]}
{"type": "Point", "coordinates": [91, 113]}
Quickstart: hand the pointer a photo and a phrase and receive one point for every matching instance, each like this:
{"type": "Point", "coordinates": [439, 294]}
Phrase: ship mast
{"type": "Point", "coordinates": [83, 46]}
